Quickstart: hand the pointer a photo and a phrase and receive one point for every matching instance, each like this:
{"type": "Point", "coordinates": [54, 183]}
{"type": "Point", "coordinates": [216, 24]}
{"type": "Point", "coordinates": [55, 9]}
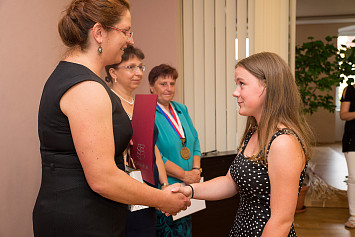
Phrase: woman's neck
{"type": "Point", "coordinates": [125, 93]}
{"type": "Point", "coordinates": [166, 106]}
{"type": "Point", "coordinates": [93, 62]}
{"type": "Point", "coordinates": [126, 98]}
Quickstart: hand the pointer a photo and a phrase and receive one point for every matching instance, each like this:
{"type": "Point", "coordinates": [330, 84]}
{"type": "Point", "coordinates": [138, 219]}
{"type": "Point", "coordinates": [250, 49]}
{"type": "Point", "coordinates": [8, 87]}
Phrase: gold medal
{"type": "Point", "coordinates": [185, 153]}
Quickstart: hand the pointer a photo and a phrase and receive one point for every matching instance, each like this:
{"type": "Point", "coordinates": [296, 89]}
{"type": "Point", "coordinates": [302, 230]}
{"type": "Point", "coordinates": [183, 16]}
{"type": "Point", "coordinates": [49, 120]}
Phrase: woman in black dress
{"type": "Point", "coordinates": [83, 130]}
{"type": "Point", "coordinates": [269, 169]}
{"type": "Point", "coordinates": [347, 113]}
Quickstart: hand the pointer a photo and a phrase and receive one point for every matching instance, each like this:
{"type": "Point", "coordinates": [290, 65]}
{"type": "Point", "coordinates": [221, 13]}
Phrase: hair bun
{"type": "Point", "coordinates": [81, 16]}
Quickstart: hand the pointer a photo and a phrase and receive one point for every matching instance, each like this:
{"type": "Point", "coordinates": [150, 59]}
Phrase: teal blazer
{"type": "Point", "coordinates": [169, 143]}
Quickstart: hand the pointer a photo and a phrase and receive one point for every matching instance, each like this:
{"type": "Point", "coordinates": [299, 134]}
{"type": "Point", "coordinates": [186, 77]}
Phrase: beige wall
{"type": "Point", "coordinates": [156, 32]}
{"type": "Point", "coordinates": [30, 49]}
{"type": "Point", "coordinates": [322, 122]}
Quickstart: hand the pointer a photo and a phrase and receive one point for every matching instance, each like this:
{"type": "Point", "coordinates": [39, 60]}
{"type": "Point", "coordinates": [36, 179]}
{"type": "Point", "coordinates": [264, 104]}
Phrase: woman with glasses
{"type": "Point", "coordinates": [124, 78]}
{"type": "Point", "coordinates": [83, 130]}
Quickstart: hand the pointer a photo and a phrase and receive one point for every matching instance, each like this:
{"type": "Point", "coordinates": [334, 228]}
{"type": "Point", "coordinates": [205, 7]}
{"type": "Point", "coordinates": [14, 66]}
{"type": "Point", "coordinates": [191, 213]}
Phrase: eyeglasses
{"type": "Point", "coordinates": [128, 34]}
{"type": "Point", "coordinates": [133, 68]}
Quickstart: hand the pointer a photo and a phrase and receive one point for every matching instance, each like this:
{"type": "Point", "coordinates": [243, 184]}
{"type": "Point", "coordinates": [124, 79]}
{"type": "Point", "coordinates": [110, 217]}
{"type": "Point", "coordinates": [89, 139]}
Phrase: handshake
{"type": "Point", "coordinates": [177, 199]}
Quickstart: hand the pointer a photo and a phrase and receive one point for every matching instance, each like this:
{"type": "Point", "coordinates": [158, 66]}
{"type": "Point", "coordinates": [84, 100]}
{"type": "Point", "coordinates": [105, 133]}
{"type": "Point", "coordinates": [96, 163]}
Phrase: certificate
{"type": "Point", "coordinates": [143, 120]}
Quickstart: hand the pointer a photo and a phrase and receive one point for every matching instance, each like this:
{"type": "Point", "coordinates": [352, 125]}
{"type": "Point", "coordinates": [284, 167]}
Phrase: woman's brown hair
{"type": "Point", "coordinates": [282, 104]}
{"type": "Point", "coordinates": [82, 15]}
{"type": "Point", "coordinates": [162, 70]}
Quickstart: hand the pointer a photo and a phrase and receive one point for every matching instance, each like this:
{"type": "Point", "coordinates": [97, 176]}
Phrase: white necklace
{"type": "Point", "coordinates": [131, 103]}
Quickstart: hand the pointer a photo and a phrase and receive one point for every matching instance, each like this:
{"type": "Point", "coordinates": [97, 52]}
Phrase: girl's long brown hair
{"type": "Point", "coordinates": [282, 104]}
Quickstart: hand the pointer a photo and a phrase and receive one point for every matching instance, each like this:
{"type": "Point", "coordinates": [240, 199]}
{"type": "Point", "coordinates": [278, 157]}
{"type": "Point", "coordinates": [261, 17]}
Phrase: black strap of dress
{"type": "Point", "coordinates": [247, 138]}
{"type": "Point", "coordinates": [279, 132]}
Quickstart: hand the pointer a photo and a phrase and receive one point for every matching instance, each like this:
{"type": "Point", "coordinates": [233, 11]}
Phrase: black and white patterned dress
{"type": "Point", "coordinates": [254, 189]}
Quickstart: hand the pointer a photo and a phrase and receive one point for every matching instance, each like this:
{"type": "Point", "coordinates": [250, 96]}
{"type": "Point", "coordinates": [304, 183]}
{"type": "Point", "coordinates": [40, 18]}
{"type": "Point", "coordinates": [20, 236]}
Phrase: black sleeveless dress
{"type": "Point", "coordinates": [254, 190]}
{"type": "Point", "coordinates": [66, 205]}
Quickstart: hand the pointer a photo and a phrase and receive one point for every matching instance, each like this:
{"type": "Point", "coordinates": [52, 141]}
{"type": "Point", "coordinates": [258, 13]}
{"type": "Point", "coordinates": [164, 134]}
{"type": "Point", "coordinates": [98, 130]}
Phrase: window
{"type": "Point", "coordinates": [246, 48]}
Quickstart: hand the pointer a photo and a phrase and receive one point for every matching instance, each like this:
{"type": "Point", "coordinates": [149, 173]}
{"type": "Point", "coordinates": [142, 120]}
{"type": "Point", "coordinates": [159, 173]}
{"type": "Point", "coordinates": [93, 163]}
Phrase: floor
{"type": "Point", "coordinates": [328, 162]}
{"type": "Point", "coordinates": [322, 222]}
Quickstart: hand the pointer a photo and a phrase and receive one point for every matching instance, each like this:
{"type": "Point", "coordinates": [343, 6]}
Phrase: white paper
{"type": "Point", "coordinates": [137, 175]}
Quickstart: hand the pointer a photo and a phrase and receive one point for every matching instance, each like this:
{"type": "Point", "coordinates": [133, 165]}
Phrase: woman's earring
{"type": "Point", "coordinates": [115, 80]}
{"type": "Point", "coordinates": [99, 50]}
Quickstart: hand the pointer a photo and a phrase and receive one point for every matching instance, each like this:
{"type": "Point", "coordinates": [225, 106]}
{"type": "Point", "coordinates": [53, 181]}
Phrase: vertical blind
{"type": "Point", "coordinates": [208, 32]}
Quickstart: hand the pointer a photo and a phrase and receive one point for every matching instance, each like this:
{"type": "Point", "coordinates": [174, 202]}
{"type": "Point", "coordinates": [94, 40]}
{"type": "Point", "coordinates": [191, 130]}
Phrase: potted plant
{"type": "Point", "coordinates": [317, 72]}
{"type": "Point", "coordinates": [319, 67]}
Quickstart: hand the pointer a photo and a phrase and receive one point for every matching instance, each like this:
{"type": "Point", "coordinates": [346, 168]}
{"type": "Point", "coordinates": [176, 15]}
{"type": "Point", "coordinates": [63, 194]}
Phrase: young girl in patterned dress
{"type": "Point", "coordinates": [269, 169]}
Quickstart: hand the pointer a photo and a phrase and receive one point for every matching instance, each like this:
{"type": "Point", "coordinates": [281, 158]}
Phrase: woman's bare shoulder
{"type": "Point", "coordinates": [84, 96]}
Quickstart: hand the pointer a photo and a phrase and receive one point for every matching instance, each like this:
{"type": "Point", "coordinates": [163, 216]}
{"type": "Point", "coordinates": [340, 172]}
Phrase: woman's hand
{"type": "Point", "coordinates": [164, 187]}
{"type": "Point", "coordinates": [188, 177]}
{"type": "Point", "coordinates": [175, 201]}
{"type": "Point", "coordinates": [192, 176]}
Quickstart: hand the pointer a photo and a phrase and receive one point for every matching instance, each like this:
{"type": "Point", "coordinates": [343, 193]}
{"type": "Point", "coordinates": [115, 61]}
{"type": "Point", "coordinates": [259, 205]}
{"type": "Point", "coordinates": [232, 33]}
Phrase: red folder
{"type": "Point", "coordinates": [143, 119]}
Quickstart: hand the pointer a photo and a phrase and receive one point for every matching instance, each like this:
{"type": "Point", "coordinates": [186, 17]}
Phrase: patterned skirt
{"type": "Point", "coordinates": [166, 227]}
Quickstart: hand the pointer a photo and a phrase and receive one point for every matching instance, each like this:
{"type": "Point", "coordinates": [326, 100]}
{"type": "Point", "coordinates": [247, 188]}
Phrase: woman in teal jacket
{"type": "Point", "coordinates": [177, 142]}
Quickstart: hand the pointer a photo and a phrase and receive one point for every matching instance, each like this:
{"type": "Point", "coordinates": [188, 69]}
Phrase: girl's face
{"type": "Point", "coordinates": [164, 87]}
{"type": "Point", "coordinates": [128, 74]}
{"type": "Point", "coordinates": [250, 93]}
